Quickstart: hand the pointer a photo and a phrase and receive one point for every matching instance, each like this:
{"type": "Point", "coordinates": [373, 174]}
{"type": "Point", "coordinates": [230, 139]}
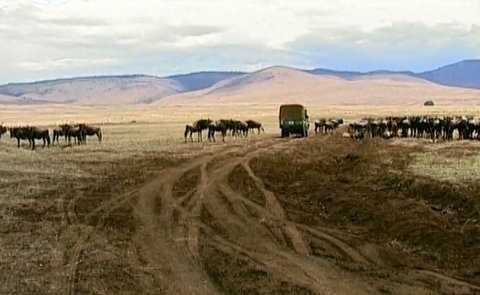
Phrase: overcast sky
{"type": "Point", "coordinates": [50, 39]}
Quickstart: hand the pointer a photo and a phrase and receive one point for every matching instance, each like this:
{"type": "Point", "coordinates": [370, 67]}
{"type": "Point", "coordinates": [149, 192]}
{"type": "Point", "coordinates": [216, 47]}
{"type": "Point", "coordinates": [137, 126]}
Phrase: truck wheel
{"type": "Point", "coordinates": [284, 133]}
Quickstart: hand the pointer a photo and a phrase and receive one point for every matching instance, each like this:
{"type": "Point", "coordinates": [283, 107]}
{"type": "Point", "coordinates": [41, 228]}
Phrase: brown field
{"type": "Point", "coordinates": [144, 213]}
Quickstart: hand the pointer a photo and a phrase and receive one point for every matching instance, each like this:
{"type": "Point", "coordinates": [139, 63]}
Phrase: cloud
{"type": "Point", "coordinates": [401, 46]}
{"type": "Point", "coordinates": [48, 38]}
{"type": "Point", "coordinates": [66, 63]}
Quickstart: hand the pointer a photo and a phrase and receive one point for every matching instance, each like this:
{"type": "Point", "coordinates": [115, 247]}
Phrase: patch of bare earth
{"type": "Point", "coordinates": [364, 193]}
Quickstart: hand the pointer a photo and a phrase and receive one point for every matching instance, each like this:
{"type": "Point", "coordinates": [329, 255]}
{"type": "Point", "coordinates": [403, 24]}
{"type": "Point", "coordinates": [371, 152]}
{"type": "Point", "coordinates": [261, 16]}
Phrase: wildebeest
{"type": "Point", "coordinates": [90, 131]}
{"type": "Point", "coordinates": [319, 125]}
{"type": "Point", "coordinates": [57, 132]}
{"type": "Point", "coordinates": [327, 125]}
{"type": "Point", "coordinates": [3, 130]}
{"type": "Point", "coordinates": [254, 125]}
{"type": "Point", "coordinates": [201, 125]}
{"type": "Point", "coordinates": [21, 133]}
{"type": "Point", "coordinates": [39, 133]}
{"type": "Point", "coordinates": [240, 128]}
{"type": "Point", "coordinates": [217, 126]}
{"type": "Point", "coordinates": [190, 130]}
{"type": "Point", "coordinates": [75, 132]}
{"type": "Point", "coordinates": [61, 130]}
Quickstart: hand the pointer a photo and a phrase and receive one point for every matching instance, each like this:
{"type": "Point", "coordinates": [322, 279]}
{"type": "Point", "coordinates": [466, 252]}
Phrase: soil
{"type": "Point", "coordinates": [317, 215]}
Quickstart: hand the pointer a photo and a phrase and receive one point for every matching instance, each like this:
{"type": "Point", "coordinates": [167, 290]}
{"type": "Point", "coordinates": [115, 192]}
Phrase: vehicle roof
{"type": "Point", "coordinates": [292, 111]}
{"type": "Point", "coordinates": [291, 105]}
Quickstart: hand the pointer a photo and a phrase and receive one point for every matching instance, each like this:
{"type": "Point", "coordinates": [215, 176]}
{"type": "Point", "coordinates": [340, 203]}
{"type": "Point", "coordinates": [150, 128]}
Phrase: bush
{"type": "Point", "coordinates": [429, 103]}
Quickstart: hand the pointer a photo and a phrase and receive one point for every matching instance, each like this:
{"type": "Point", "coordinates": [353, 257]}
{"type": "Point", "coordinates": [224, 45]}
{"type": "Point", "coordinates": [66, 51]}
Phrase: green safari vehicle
{"type": "Point", "coordinates": [293, 120]}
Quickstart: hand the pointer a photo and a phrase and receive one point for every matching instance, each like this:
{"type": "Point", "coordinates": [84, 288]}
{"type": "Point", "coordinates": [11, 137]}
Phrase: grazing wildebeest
{"type": "Point", "coordinates": [21, 133]}
{"type": "Point", "coordinates": [329, 126]}
{"type": "Point", "coordinates": [217, 126]}
{"type": "Point", "coordinates": [240, 128]}
{"type": "Point", "coordinates": [405, 125]}
{"type": "Point", "coordinates": [75, 132]}
{"type": "Point", "coordinates": [189, 130]}
{"type": "Point", "coordinates": [319, 125]}
{"type": "Point", "coordinates": [3, 130]}
{"type": "Point", "coordinates": [39, 133]}
{"type": "Point", "coordinates": [358, 126]}
{"type": "Point", "coordinates": [201, 125]}
{"type": "Point", "coordinates": [90, 131]}
{"type": "Point", "coordinates": [61, 130]}
{"type": "Point", "coordinates": [57, 132]}
{"type": "Point", "coordinates": [254, 125]}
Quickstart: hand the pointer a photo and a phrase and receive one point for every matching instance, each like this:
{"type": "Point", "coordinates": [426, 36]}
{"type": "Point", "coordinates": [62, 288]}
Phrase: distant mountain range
{"type": "Point", "coordinates": [135, 89]}
{"type": "Point", "coordinates": [462, 74]}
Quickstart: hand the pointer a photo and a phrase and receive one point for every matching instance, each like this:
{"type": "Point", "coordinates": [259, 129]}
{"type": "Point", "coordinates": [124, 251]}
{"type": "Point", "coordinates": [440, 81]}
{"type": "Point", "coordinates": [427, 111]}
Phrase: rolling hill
{"type": "Point", "coordinates": [104, 90]}
{"type": "Point", "coordinates": [201, 80]}
{"type": "Point", "coordinates": [463, 74]}
{"type": "Point", "coordinates": [277, 85]}
{"type": "Point", "coordinates": [270, 85]}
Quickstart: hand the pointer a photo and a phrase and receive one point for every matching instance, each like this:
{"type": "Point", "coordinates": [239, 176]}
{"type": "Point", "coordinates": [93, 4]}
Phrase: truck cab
{"type": "Point", "coordinates": [293, 119]}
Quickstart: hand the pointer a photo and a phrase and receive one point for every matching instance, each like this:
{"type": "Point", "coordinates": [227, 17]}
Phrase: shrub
{"type": "Point", "coordinates": [429, 103]}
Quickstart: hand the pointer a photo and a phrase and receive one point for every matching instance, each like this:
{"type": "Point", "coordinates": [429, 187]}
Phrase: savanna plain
{"type": "Point", "coordinates": [144, 212]}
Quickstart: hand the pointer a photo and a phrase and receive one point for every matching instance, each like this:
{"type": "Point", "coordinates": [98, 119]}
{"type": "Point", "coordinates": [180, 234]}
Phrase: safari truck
{"type": "Point", "coordinates": [293, 120]}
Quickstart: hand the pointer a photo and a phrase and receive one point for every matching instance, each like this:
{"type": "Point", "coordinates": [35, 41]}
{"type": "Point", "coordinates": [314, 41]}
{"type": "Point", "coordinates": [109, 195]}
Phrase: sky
{"type": "Point", "coordinates": [41, 39]}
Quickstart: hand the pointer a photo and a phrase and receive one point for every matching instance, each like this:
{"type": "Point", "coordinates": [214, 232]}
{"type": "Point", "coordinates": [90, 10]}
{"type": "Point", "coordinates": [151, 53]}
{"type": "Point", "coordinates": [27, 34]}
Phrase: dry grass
{"type": "Point", "coordinates": [38, 188]}
{"type": "Point", "coordinates": [456, 162]}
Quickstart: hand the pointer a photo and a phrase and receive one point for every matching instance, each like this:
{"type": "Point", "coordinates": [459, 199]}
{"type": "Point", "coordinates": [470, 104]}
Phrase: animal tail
{"type": "Point", "coordinates": [99, 135]}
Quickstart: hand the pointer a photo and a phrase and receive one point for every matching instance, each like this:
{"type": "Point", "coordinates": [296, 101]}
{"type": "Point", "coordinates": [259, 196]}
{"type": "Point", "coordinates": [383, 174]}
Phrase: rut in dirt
{"type": "Point", "coordinates": [193, 205]}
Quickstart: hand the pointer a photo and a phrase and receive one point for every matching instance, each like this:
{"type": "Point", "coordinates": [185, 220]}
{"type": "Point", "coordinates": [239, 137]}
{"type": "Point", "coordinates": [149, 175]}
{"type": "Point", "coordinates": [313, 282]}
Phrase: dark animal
{"type": "Point", "coordinates": [21, 133]}
{"type": "Point", "coordinates": [190, 130]}
{"type": "Point", "coordinates": [240, 129]}
{"type": "Point", "coordinates": [201, 125]}
{"type": "Point", "coordinates": [76, 133]}
{"type": "Point", "coordinates": [39, 133]}
{"type": "Point", "coordinates": [57, 132]}
{"type": "Point", "coordinates": [319, 125]}
{"type": "Point", "coordinates": [90, 131]}
{"type": "Point", "coordinates": [217, 126]}
{"type": "Point", "coordinates": [61, 130]}
{"type": "Point", "coordinates": [3, 130]}
{"type": "Point", "coordinates": [254, 125]}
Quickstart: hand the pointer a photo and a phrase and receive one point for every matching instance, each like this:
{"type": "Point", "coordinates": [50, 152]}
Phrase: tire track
{"type": "Point", "coordinates": [170, 237]}
{"type": "Point", "coordinates": [107, 207]}
{"type": "Point", "coordinates": [176, 246]}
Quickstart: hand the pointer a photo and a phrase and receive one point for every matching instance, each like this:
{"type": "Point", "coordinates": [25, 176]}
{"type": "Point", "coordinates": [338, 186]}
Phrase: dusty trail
{"type": "Point", "coordinates": [172, 227]}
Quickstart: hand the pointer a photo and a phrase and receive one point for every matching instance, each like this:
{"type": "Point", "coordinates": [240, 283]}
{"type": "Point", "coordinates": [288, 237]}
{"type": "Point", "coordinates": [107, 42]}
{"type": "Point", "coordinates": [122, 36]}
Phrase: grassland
{"type": "Point", "coordinates": [69, 215]}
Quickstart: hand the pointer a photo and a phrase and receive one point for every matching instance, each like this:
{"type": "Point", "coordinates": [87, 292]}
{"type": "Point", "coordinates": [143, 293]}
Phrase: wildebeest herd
{"type": "Point", "coordinates": [434, 128]}
{"type": "Point", "coordinates": [79, 132]}
{"type": "Point", "coordinates": [225, 127]}
{"type": "Point", "coordinates": [327, 125]}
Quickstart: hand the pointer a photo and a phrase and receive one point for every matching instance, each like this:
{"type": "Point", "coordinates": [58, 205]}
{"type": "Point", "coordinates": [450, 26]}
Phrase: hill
{"type": "Point", "coordinates": [270, 85]}
{"type": "Point", "coordinates": [201, 80]}
{"type": "Point", "coordinates": [277, 85]}
{"type": "Point", "coordinates": [95, 90]}
{"type": "Point", "coordinates": [464, 74]}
